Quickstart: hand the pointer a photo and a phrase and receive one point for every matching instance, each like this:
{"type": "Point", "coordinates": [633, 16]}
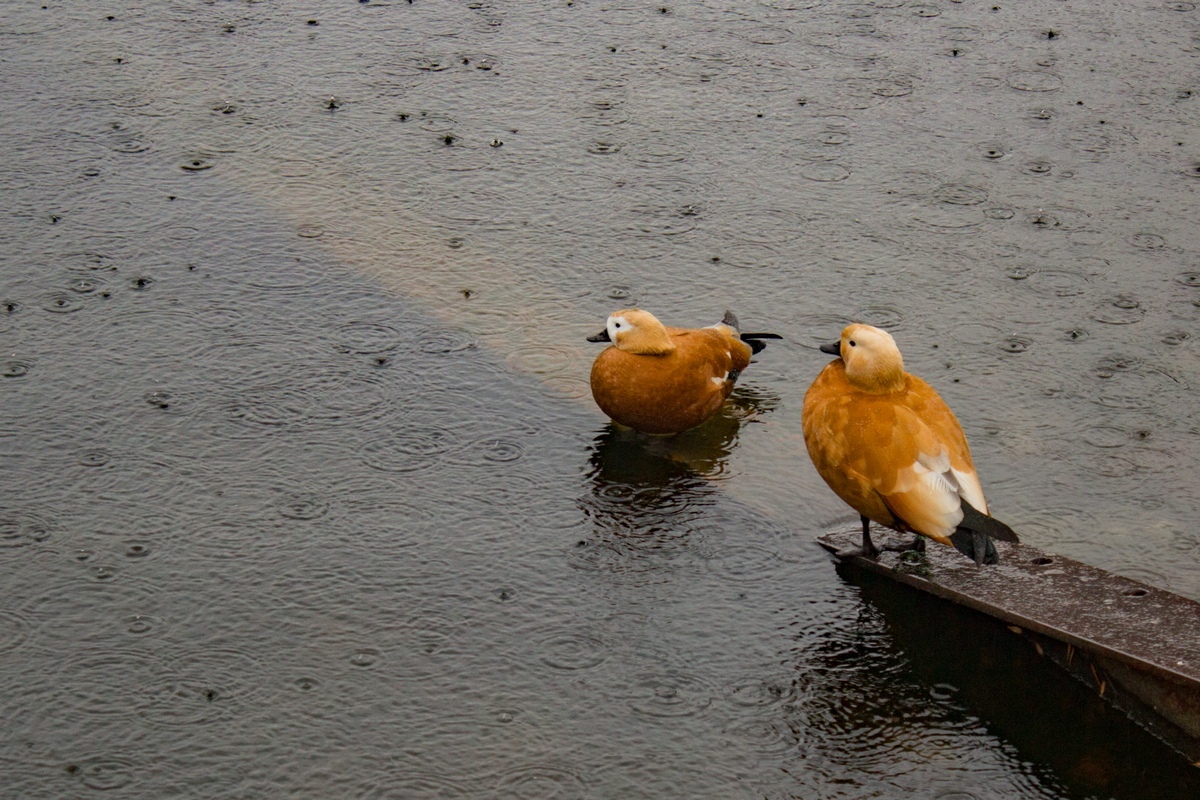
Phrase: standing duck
{"type": "Point", "coordinates": [889, 446]}
{"type": "Point", "coordinates": [664, 380]}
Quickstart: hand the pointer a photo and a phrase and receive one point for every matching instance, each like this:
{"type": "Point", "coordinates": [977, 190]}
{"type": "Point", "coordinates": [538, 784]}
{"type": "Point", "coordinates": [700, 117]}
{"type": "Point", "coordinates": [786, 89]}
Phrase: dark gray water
{"type": "Point", "coordinates": [304, 495]}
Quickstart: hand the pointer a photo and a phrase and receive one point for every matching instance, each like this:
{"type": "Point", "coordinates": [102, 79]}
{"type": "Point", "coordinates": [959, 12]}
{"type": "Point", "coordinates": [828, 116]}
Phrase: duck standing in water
{"type": "Point", "coordinates": [889, 446]}
{"type": "Point", "coordinates": [664, 380]}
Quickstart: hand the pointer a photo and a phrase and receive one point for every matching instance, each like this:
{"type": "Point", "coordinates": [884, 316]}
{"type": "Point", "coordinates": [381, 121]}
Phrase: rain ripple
{"type": "Point", "coordinates": [754, 692]}
{"type": "Point", "coordinates": [1121, 310]}
{"type": "Point", "coordinates": [19, 529]}
{"type": "Point", "coordinates": [116, 683]}
{"type": "Point", "coordinates": [746, 562]}
{"type": "Point", "coordinates": [408, 448]}
{"type": "Point", "coordinates": [414, 786]}
{"type": "Point", "coordinates": [94, 611]}
{"type": "Point", "coordinates": [960, 194]}
{"type": "Point", "coordinates": [301, 505]}
{"type": "Point", "coordinates": [572, 650]}
{"type": "Point", "coordinates": [545, 359]}
{"type": "Point", "coordinates": [367, 338]}
{"type": "Point", "coordinates": [276, 272]}
{"type": "Point", "coordinates": [205, 685]}
{"type": "Point", "coordinates": [1035, 81]}
{"type": "Point", "coordinates": [15, 368]}
{"type": "Point", "coordinates": [668, 694]}
{"type": "Point", "coordinates": [540, 782]}
{"type": "Point", "coordinates": [824, 172]}
{"type": "Point", "coordinates": [768, 735]}
{"type": "Point", "coordinates": [103, 773]}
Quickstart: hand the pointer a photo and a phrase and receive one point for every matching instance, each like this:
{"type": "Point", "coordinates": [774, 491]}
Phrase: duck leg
{"type": "Point", "coordinates": [869, 550]}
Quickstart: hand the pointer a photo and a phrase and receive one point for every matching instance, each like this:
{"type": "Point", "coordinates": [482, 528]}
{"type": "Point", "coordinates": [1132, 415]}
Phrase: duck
{"type": "Point", "coordinates": [661, 380]}
{"type": "Point", "coordinates": [891, 448]}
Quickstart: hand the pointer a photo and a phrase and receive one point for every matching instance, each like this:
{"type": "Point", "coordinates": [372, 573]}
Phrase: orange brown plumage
{"type": "Point", "coordinates": [664, 380]}
{"type": "Point", "coordinates": [891, 448]}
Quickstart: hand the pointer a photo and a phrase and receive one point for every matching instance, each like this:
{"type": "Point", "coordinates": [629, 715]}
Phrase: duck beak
{"type": "Point", "coordinates": [602, 336]}
{"type": "Point", "coordinates": [834, 349]}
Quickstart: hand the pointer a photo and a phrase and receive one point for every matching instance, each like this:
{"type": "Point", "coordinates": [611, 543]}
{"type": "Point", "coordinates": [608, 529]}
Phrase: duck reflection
{"type": "Point", "coordinates": [647, 495]}
{"type": "Point", "coordinates": [934, 670]}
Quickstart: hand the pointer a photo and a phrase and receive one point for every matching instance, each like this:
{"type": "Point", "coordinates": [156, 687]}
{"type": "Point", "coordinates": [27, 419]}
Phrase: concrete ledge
{"type": "Point", "coordinates": [1137, 646]}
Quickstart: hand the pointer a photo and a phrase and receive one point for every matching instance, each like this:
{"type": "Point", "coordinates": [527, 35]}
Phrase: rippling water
{"type": "Point", "coordinates": [304, 492]}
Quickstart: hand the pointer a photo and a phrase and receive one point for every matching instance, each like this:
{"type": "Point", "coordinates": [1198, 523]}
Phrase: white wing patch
{"type": "Point", "coordinates": [937, 474]}
{"type": "Point", "coordinates": [931, 503]}
{"type": "Point", "coordinates": [720, 380]}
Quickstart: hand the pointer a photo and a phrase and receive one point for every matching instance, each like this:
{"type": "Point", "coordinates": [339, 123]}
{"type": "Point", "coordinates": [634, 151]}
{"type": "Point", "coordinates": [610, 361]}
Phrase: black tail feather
{"type": "Point", "coordinates": [751, 339]}
{"type": "Point", "coordinates": [975, 545]}
{"type": "Point", "coordinates": [977, 521]}
{"type": "Point", "coordinates": [975, 534]}
{"type": "Point", "coordinates": [757, 346]}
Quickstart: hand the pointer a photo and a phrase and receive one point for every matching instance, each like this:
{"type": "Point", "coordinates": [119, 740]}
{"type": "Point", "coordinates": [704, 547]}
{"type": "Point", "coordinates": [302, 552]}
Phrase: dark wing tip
{"type": "Point", "coordinates": [730, 319]}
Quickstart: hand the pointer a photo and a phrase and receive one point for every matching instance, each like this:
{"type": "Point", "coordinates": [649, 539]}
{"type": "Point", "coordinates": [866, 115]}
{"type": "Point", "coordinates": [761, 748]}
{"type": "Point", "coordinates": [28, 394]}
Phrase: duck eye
{"type": "Point", "coordinates": [852, 343]}
{"type": "Point", "coordinates": [616, 324]}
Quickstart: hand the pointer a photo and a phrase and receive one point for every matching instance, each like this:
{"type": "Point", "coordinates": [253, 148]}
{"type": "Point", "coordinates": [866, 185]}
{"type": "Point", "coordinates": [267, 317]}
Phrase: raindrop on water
{"type": "Point", "coordinates": [94, 458]}
{"type": "Point", "coordinates": [1015, 344]}
{"type": "Point", "coordinates": [365, 657]}
{"type": "Point", "coordinates": [302, 506]}
{"type": "Point", "coordinates": [137, 550]}
{"type": "Point", "coordinates": [62, 303]}
{"type": "Point", "coordinates": [1148, 241]}
{"type": "Point", "coordinates": [1019, 273]}
{"type": "Point", "coordinates": [15, 369]}
{"type": "Point", "coordinates": [196, 165]}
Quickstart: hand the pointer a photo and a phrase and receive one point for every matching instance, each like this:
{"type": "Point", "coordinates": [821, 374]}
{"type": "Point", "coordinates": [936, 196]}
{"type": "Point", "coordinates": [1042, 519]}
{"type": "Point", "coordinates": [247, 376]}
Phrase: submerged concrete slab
{"type": "Point", "coordinates": [1136, 645]}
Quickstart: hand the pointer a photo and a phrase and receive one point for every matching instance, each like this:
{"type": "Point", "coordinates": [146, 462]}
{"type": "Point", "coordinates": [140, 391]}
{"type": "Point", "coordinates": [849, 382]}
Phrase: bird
{"type": "Point", "coordinates": [662, 380]}
{"type": "Point", "coordinates": [889, 446]}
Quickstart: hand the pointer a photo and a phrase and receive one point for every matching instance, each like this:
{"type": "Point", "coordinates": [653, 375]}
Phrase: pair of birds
{"type": "Point", "coordinates": [883, 439]}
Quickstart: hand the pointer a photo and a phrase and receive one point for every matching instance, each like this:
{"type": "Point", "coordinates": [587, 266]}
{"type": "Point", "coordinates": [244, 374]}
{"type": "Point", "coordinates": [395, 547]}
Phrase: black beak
{"type": "Point", "coordinates": [602, 336]}
{"type": "Point", "coordinates": [834, 349]}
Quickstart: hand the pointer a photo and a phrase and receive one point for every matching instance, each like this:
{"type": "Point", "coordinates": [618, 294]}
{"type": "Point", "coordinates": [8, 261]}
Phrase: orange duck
{"type": "Point", "coordinates": [664, 380]}
{"type": "Point", "coordinates": [893, 450]}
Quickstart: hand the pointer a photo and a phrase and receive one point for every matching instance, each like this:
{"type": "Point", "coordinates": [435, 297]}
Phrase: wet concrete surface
{"type": "Point", "coordinates": [304, 493]}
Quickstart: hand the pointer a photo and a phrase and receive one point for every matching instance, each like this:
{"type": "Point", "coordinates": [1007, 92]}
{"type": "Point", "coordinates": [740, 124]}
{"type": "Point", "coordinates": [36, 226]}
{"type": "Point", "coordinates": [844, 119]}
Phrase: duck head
{"type": "Point", "coordinates": [636, 331]}
{"type": "Point", "coordinates": [873, 362]}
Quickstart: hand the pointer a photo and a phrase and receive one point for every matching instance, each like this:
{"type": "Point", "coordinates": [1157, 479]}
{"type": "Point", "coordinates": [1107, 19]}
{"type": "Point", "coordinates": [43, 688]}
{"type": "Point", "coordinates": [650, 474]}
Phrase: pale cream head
{"type": "Point", "coordinates": [637, 331]}
{"type": "Point", "coordinates": [873, 362]}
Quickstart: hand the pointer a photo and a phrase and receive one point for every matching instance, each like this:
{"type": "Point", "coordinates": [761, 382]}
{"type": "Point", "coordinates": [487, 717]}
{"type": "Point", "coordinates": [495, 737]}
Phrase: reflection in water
{"type": "Point", "coordinates": [912, 677]}
{"type": "Point", "coordinates": [624, 456]}
{"type": "Point", "coordinates": [650, 496]}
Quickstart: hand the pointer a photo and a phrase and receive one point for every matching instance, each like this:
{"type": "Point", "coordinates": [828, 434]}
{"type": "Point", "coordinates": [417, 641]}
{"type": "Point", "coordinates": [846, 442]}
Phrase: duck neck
{"type": "Point", "coordinates": [878, 381]}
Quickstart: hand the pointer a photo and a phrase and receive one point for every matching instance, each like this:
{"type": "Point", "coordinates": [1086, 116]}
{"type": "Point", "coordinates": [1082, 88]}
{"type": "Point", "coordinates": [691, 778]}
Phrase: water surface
{"type": "Point", "coordinates": [304, 492]}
